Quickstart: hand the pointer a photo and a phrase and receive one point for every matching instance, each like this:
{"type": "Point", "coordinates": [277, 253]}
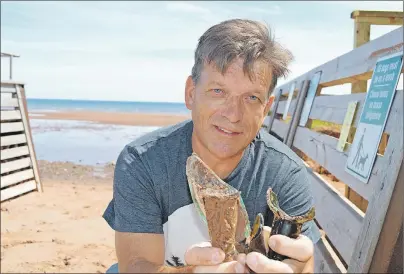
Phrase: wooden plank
{"type": "Point", "coordinates": [297, 114]}
{"type": "Point", "coordinates": [332, 108]}
{"type": "Point", "coordinates": [391, 21]}
{"type": "Point", "coordinates": [13, 140]}
{"type": "Point", "coordinates": [15, 165]}
{"type": "Point", "coordinates": [10, 115]}
{"type": "Point", "coordinates": [384, 177]}
{"type": "Point", "coordinates": [9, 102]}
{"type": "Point", "coordinates": [323, 149]}
{"type": "Point", "coordinates": [7, 89]}
{"type": "Point", "coordinates": [11, 83]}
{"type": "Point", "coordinates": [282, 105]}
{"type": "Point", "coordinates": [338, 217]}
{"type": "Point", "coordinates": [23, 106]}
{"type": "Point", "coordinates": [397, 260]}
{"type": "Point", "coordinates": [355, 65]}
{"type": "Point", "coordinates": [391, 228]}
{"type": "Point", "coordinates": [17, 177]}
{"type": "Point", "coordinates": [13, 191]}
{"type": "Point", "coordinates": [280, 128]}
{"type": "Point", "coordinates": [11, 127]}
{"type": "Point", "coordinates": [325, 259]}
{"type": "Point", "coordinates": [373, 13]}
{"type": "Point", "coordinates": [14, 152]}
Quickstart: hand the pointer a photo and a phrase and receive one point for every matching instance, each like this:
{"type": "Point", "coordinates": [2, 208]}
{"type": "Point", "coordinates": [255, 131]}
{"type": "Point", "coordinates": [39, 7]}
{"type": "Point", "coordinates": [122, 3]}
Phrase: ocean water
{"type": "Point", "coordinates": [89, 143]}
{"type": "Point", "coordinates": [49, 105]}
{"type": "Point", "coordinates": [82, 142]}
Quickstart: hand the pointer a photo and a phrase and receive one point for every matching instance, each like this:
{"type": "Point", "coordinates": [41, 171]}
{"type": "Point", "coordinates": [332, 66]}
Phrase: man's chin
{"type": "Point", "coordinates": [225, 152]}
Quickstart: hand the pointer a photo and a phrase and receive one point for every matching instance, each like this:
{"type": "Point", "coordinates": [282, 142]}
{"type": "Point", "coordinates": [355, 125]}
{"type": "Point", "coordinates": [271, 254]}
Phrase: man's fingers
{"type": "Point", "coordinates": [261, 264]}
{"type": "Point", "coordinates": [300, 249]}
{"type": "Point", "coordinates": [228, 267]}
{"type": "Point", "coordinates": [203, 254]}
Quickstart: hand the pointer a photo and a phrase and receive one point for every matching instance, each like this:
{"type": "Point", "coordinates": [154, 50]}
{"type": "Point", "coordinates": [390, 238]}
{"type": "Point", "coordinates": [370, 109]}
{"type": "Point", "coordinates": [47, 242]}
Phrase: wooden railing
{"type": "Point", "coordinates": [353, 241]}
{"type": "Point", "coordinates": [19, 170]}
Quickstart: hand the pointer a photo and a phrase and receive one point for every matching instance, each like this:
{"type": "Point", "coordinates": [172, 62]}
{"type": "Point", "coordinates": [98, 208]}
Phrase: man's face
{"type": "Point", "coordinates": [228, 110]}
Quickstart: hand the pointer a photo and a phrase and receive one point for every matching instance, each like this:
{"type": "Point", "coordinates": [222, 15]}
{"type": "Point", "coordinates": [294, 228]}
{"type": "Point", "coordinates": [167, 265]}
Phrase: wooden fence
{"type": "Point", "coordinates": [19, 171]}
{"type": "Point", "coordinates": [353, 241]}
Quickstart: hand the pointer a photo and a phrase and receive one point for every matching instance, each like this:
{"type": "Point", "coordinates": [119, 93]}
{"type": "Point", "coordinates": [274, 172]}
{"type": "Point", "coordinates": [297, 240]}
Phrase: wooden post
{"type": "Point", "coordinates": [298, 111]}
{"type": "Point", "coordinates": [362, 25]}
{"type": "Point", "coordinates": [271, 119]}
{"type": "Point", "coordinates": [27, 128]}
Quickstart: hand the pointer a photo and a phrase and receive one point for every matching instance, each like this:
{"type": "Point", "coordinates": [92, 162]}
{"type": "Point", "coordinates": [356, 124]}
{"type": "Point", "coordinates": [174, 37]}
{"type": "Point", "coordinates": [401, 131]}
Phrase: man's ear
{"type": "Point", "coordinates": [189, 92]}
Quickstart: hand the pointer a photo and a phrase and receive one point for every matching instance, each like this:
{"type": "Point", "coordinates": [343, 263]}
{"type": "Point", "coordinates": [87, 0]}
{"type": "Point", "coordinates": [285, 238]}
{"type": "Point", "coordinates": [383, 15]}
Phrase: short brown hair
{"type": "Point", "coordinates": [247, 39]}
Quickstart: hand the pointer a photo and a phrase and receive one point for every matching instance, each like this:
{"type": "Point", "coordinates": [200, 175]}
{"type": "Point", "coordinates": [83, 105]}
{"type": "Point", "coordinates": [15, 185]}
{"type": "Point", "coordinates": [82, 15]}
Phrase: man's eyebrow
{"type": "Point", "coordinates": [216, 83]}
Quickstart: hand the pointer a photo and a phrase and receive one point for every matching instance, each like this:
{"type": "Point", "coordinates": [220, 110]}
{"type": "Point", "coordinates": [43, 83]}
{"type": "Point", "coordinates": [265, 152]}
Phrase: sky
{"type": "Point", "coordinates": [143, 51]}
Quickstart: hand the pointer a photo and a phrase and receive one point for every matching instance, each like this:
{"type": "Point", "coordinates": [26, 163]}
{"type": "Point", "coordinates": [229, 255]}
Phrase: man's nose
{"type": "Point", "coordinates": [232, 110]}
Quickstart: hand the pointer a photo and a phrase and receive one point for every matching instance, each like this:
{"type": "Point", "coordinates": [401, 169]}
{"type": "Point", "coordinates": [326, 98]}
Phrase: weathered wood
{"type": "Point", "coordinates": [397, 260]}
{"type": "Point", "coordinates": [9, 102]}
{"type": "Point", "coordinates": [325, 259]}
{"type": "Point", "coordinates": [391, 228]}
{"type": "Point", "coordinates": [14, 152]}
{"type": "Point", "coordinates": [17, 177]}
{"type": "Point", "coordinates": [332, 108]}
{"type": "Point", "coordinates": [372, 13]}
{"type": "Point", "coordinates": [298, 111]}
{"type": "Point", "coordinates": [7, 89]}
{"type": "Point", "coordinates": [13, 140]}
{"type": "Point", "coordinates": [336, 215]}
{"type": "Point", "coordinates": [355, 65]}
{"type": "Point", "coordinates": [282, 105]}
{"type": "Point", "coordinates": [387, 175]}
{"type": "Point", "coordinates": [10, 83]}
{"type": "Point", "coordinates": [11, 127]}
{"type": "Point", "coordinates": [10, 115]}
{"type": "Point", "coordinates": [15, 165]}
{"type": "Point", "coordinates": [28, 134]}
{"type": "Point", "coordinates": [280, 128]}
{"type": "Point", "coordinates": [380, 21]}
{"type": "Point", "coordinates": [272, 117]}
{"type": "Point", "coordinates": [13, 191]}
{"type": "Point", "coordinates": [323, 149]}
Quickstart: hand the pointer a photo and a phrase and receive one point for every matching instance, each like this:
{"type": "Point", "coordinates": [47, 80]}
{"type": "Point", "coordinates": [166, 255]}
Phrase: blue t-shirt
{"type": "Point", "coordinates": [151, 193]}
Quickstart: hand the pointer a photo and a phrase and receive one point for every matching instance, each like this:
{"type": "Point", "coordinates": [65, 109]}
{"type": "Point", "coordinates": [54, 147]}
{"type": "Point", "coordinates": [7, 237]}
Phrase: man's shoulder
{"type": "Point", "coordinates": [162, 138]}
{"type": "Point", "coordinates": [275, 149]}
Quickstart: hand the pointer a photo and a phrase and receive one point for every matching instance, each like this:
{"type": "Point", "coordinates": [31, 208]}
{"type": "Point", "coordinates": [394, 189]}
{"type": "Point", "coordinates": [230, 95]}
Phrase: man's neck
{"type": "Point", "coordinates": [222, 167]}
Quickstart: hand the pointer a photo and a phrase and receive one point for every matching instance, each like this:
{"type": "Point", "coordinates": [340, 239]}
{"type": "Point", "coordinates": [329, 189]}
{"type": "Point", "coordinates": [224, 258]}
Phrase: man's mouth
{"type": "Point", "coordinates": [227, 132]}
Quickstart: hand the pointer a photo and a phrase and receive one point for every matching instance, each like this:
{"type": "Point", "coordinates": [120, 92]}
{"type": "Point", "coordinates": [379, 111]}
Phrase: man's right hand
{"type": "Point", "coordinates": [208, 259]}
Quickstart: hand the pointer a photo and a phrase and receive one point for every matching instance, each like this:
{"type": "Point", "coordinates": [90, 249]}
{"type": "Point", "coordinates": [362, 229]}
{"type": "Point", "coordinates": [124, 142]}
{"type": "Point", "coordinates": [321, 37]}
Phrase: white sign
{"type": "Point", "coordinates": [291, 91]}
{"type": "Point", "coordinates": [374, 116]}
{"type": "Point", "coordinates": [311, 93]}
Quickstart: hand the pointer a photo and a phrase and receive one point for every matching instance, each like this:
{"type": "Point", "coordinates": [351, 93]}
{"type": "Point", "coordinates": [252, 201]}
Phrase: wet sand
{"type": "Point", "coordinates": [61, 229]}
{"type": "Point", "coordinates": [116, 118]}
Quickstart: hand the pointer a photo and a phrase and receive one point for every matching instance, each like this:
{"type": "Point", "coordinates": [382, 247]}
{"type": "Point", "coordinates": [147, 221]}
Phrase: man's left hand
{"type": "Point", "coordinates": [300, 252]}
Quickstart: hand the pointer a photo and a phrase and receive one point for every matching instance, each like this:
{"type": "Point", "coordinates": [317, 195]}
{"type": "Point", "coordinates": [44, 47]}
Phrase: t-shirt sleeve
{"type": "Point", "coordinates": [298, 199]}
{"type": "Point", "coordinates": [134, 206]}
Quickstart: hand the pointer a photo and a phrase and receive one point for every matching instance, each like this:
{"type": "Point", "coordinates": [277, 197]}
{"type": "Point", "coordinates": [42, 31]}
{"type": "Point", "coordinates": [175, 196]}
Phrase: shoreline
{"type": "Point", "coordinates": [114, 118]}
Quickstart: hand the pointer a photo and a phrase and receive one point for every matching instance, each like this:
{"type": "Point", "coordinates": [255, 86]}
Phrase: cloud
{"type": "Point", "coordinates": [186, 7]}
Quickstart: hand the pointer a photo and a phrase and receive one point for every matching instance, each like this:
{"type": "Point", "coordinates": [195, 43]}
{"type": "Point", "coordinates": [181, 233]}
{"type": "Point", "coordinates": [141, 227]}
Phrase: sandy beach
{"type": "Point", "coordinates": [60, 229]}
{"type": "Point", "coordinates": [115, 118]}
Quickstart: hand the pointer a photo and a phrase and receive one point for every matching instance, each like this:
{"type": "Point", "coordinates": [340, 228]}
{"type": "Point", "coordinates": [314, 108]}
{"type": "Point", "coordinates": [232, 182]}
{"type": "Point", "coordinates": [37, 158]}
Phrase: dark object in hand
{"type": "Point", "coordinates": [282, 224]}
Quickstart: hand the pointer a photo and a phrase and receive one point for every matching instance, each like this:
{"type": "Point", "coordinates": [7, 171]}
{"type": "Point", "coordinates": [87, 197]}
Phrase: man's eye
{"type": "Point", "coordinates": [253, 98]}
{"type": "Point", "coordinates": [217, 91]}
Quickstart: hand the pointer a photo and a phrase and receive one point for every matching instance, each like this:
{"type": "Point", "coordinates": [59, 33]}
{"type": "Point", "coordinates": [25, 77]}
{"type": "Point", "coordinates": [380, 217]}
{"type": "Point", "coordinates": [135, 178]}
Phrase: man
{"type": "Point", "coordinates": [237, 64]}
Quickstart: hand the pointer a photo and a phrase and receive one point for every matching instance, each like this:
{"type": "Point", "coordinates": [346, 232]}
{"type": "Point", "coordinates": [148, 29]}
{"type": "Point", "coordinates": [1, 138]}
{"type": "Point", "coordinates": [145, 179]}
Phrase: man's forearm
{"type": "Point", "coordinates": [144, 266]}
